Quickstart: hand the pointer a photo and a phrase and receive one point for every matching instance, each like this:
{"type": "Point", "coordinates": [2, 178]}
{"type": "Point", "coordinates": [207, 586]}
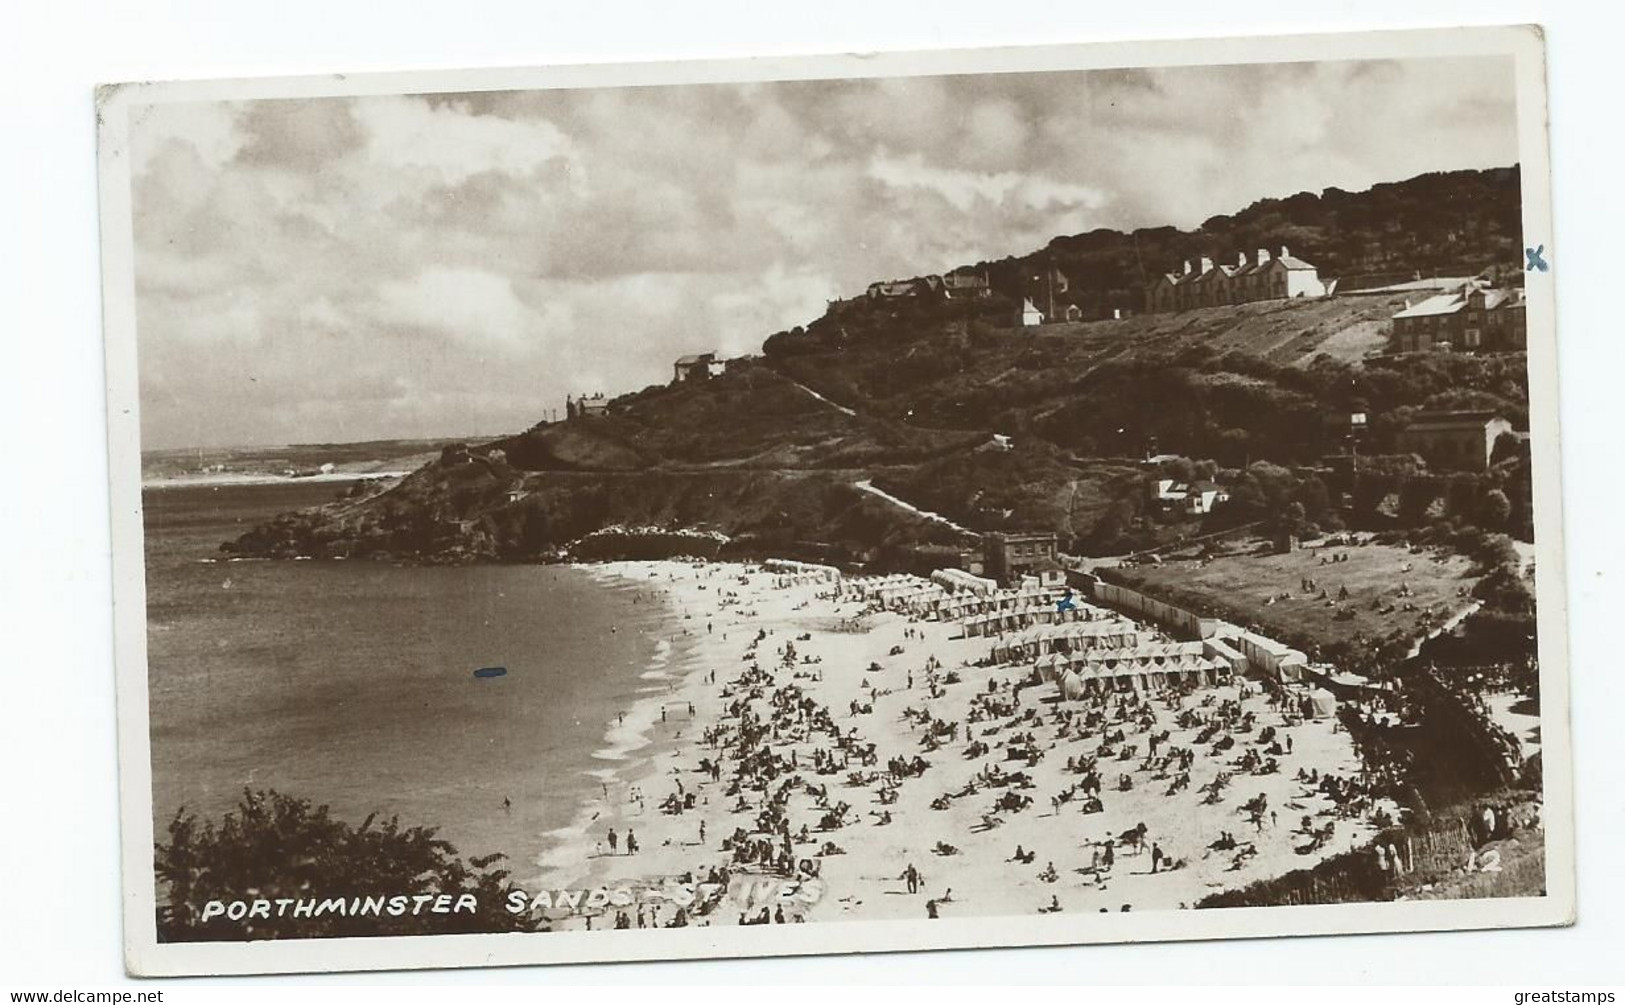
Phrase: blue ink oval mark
{"type": "Point", "coordinates": [491, 672]}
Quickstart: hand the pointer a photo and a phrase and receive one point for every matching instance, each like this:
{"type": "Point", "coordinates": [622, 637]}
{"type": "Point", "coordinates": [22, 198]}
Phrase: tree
{"type": "Point", "coordinates": [1495, 509]}
{"type": "Point", "coordinates": [275, 846]}
{"type": "Point", "coordinates": [1506, 445]}
{"type": "Point", "coordinates": [1294, 520]}
{"type": "Point", "coordinates": [1497, 552]}
{"type": "Point", "coordinates": [1180, 469]}
{"type": "Point", "coordinates": [1314, 496]}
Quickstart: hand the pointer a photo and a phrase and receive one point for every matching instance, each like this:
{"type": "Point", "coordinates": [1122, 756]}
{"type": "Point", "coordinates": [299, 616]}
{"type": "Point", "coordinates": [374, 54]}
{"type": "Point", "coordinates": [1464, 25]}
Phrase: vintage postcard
{"type": "Point", "coordinates": [947, 499]}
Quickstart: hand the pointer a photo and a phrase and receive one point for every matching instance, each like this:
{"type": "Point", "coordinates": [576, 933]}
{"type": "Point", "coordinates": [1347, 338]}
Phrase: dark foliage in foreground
{"type": "Point", "coordinates": [276, 846]}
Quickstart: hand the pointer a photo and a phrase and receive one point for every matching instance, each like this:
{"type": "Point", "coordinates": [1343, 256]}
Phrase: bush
{"type": "Point", "coordinates": [1496, 552]}
{"type": "Point", "coordinates": [275, 846]}
{"type": "Point", "coordinates": [1494, 509]}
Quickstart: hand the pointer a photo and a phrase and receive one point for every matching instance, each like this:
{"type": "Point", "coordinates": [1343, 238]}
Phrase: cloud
{"type": "Point", "coordinates": [449, 140]}
{"type": "Point", "coordinates": [449, 264]}
{"type": "Point", "coordinates": [964, 190]}
{"type": "Point", "coordinates": [302, 134]}
{"type": "Point", "coordinates": [467, 305]}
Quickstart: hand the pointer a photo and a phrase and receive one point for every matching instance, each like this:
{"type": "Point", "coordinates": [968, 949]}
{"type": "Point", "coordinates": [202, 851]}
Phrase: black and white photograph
{"type": "Point", "coordinates": [1070, 494]}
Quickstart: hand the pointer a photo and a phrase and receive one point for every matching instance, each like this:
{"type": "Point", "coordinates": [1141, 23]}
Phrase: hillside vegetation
{"type": "Point", "coordinates": [1441, 223]}
{"type": "Point", "coordinates": [943, 405]}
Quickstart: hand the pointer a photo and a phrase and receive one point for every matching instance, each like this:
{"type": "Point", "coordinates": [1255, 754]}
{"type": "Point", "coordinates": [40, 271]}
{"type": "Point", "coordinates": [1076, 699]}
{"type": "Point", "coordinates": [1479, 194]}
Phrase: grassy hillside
{"type": "Point", "coordinates": [751, 417]}
{"type": "Point", "coordinates": [1394, 594]}
{"type": "Point", "coordinates": [479, 509]}
{"type": "Point", "coordinates": [944, 406]}
{"type": "Point", "coordinates": [914, 363]}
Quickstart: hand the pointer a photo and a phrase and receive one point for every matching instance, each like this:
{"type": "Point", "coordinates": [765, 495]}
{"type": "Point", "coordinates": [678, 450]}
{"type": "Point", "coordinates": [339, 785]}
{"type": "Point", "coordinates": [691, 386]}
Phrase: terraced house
{"type": "Point", "coordinates": [1473, 318]}
{"type": "Point", "coordinates": [1201, 283]}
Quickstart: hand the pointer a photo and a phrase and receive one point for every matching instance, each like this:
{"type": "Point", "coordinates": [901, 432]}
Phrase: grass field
{"type": "Point", "coordinates": [1240, 588]}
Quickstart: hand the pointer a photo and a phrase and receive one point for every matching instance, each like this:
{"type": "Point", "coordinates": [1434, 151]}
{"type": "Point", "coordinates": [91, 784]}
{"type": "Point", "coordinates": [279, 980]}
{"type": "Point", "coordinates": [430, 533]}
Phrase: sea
{"type": "Point", "coordinates": [353, 683]}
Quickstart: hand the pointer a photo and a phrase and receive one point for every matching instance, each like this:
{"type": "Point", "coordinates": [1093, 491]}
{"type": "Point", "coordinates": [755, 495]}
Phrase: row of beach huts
{"type": "Point", "coordinates": [1113, 638]}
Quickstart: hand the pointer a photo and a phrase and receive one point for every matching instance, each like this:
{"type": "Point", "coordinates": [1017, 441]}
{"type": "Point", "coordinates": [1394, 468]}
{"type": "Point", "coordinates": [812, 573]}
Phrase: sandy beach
{"type": "Point", "coordinates": [793, 731]}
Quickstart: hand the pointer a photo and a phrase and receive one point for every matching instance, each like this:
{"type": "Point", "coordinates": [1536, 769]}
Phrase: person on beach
{"type": "Point", "coordinates": [614, 842]}
{"type": "Point", "coordinates": [912, 876]}
{"type": "Point", "coordinates": [631, 842]}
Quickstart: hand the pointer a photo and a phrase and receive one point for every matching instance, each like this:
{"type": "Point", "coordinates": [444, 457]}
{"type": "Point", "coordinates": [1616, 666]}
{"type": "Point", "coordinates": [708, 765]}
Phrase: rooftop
{"type": "Point", "coordinates": [1444, 303]}
{"type": "Point", "coordinates": [1450, 303]}
{"type": "Point", "coordinates": [1452, 420]}
{"type": "Point", "coordinates": [1021, 535]}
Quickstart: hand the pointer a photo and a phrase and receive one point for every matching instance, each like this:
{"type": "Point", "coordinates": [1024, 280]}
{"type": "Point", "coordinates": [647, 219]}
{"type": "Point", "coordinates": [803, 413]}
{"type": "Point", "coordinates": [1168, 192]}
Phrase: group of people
{"type": "Point", "coordinates": [769, 756]}
{"type": "Point", "coordinates": [615, 842]}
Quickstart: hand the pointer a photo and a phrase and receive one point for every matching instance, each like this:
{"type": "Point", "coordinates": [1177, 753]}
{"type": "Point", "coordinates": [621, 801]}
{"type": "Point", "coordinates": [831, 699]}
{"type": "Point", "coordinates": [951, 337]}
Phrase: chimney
{"type": "Point", "coordinates": [1207, 265]}
{"type": "Point", "coordinates": [1284, 252]}
{"type": "Point", "coordinates": [1263, 256]}
{"type": "Point", "coordinates": [1187, 268]}
{"type": "Point", "coordinates": [1241, 259]}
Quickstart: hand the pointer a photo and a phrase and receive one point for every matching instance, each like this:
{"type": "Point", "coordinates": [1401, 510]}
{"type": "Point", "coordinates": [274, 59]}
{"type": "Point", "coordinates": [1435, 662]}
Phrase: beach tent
{"type": "Point", "coordinates": [1319, 704]}
{"type": "Point", "coordinates": [1222, 652]}
{"type": "Point", "coordinates": [1048, 637]}
{"type": "Point", "coordinates": [1292, 666]}
{"type": "Point", "coordinates": [1072, 686]}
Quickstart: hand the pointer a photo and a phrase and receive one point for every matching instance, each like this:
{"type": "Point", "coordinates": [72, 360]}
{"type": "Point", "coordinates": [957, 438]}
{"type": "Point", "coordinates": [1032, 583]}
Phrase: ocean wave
{"type": "Point", "coordinates": [625, 751]}
{"type": "Point", "coordinates": [625, 737]}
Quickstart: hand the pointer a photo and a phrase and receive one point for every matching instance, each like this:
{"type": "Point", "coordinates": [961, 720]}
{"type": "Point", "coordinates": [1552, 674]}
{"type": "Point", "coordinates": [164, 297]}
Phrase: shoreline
{"type": "Point", "coordinates": [879, 681]}
{"type": "Point", "coordinates": [628, 752]}
{"type": "Point", "coordinates": [229, 480]}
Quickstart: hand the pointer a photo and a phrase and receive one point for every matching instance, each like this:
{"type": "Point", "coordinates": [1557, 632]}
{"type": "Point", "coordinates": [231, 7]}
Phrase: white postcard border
{"type": "Point", "coordinates": [145, 956]}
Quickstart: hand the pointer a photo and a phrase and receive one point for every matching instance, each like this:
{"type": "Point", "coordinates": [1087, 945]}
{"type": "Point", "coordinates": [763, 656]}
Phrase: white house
{"type": "Point", "coordinates": [1030, 316]}
{"type": "Point", "coordinates": [1196, 499]}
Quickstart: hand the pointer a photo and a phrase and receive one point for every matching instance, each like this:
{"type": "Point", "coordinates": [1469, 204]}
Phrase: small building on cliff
{"type": "Point", "coordinates": [1457, 441]}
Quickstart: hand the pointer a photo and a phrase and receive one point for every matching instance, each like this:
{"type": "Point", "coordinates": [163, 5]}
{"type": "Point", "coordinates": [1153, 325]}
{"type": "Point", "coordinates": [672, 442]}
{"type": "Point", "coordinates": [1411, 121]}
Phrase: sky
{"type": "Point", "coordinates": [340, 269]}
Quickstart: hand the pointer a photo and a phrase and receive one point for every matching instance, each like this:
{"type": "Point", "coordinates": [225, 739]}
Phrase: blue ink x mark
{"type": "Point", "coordinates": [1065, 604]}
{"type": "Point", "coordinates": [1536, 262]}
